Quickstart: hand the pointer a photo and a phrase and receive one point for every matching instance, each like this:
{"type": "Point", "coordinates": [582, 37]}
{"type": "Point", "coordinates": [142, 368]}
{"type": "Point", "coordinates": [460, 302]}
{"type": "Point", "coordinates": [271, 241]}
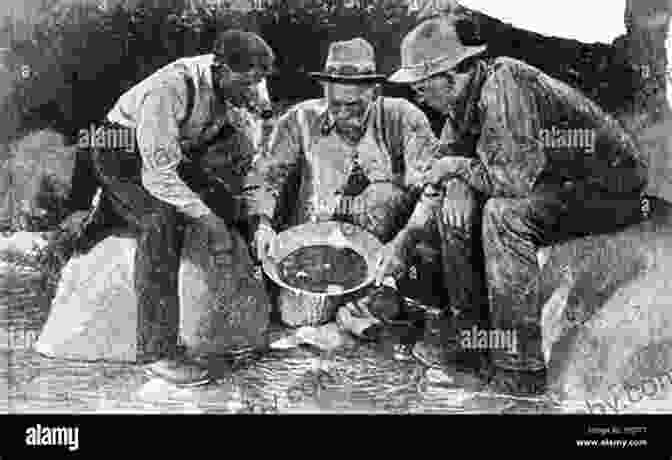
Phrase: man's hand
{"type": "Point", "coordinates": [391, 261]}
{"type": "Point", "coordinates": [459, 203]}
{"type": "Point", "coordinates": [264, 239]}
{"type": "Point", "coordinates": [219, 236]}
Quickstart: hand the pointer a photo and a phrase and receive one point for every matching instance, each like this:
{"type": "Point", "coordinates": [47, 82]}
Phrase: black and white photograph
{"type": "Point", "coordinates": [373, 207]}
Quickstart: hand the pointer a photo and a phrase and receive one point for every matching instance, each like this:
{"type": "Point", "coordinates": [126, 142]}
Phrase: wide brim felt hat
{"type": "Point", "coordinates": [350, 61]}
{"type": "Point", "coordinates": [431, 48]}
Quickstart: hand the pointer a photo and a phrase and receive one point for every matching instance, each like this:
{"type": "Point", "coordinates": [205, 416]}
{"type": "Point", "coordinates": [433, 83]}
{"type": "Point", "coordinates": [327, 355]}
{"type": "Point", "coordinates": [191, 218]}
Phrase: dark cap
{"type": "Point", "coordinates": [242, 51]}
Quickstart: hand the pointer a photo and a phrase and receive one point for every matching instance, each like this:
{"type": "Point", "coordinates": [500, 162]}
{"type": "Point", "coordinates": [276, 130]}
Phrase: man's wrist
{"type": "Point", "coordinates": [407, 237]}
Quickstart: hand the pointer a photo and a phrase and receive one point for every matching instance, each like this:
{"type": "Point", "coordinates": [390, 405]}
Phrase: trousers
{"type": "Point", "coordinates": [159, 231]}
{"type": "Point", "coordinates": [515, 229]}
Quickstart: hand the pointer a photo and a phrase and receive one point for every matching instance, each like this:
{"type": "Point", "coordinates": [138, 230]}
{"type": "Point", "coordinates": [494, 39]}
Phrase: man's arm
{"type": "Point", "coordinates": [511, 157]}
{"type": "Point", "coordinates": [421, 149]}
{"type": "Point", "coordinates": [420, 146]}
{"type": "Point", "coordinates": [268, 178]}
{"type": "Point", "coordinates": [158, 141]}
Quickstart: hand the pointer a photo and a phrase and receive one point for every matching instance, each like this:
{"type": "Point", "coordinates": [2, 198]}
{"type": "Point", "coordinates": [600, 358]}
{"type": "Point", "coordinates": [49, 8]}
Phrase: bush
{"type": "Point", "coordinates": [36, 181]}
{"type": "Point", "coordinates": [82, 59]}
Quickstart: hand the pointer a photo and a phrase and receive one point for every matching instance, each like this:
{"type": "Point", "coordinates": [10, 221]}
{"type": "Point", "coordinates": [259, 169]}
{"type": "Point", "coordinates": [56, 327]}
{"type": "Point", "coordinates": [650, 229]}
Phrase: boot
{"type": "Point", "coordinates": [179, 370]}
{"type": "Point", "coordinates": [441, 346]}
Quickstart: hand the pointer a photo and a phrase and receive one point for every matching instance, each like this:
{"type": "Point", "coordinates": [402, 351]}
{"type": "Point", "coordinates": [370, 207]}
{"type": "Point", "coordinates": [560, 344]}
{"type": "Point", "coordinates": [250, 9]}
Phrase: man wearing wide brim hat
{"type": "Point", "coordinates": [547, 163]}
{"type": "Point", "coordinates": [354, 156]}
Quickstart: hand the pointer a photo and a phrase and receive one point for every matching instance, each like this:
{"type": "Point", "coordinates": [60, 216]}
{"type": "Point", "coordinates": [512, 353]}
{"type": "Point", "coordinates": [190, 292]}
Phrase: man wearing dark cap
{"type": "Point", "coordinates": [544, 163]}
{"type": "Point", "coordinates": [176, 116]}
{"type": "Point", "coordinates": [354, 156]}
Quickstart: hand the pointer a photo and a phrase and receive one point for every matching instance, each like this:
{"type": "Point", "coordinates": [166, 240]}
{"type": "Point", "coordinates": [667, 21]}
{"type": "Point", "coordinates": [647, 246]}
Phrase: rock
{"type": "Point", "coordinates": [606, 319]}
{"type": "Point", "coordinates": [94, 313]}
{"type": "Point", "coordinates": [220, 309]}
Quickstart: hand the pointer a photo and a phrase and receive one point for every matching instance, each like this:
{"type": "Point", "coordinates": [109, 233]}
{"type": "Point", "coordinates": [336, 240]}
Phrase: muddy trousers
{"type": "Point", "coordinates": [463, 272]}
{"type": "Point", "coordinates": [158, 228]}
{"type": "Point", "coordinates": [514, 230]}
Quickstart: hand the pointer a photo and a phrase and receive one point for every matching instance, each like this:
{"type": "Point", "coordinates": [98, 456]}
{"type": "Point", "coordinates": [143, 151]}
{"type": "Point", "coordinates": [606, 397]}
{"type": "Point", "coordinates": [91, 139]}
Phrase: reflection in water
{"type": "Point", "coordinates": [321, 268]}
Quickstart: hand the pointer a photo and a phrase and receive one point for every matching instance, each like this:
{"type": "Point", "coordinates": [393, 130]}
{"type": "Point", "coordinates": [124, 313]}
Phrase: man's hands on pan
{"type": "Point", "coordinates": [264, 239]}
{"type": "Point", "coordinates": [391, 261]}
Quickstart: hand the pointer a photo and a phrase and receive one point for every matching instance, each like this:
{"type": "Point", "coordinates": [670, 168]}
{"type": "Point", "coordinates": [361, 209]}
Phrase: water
{"type": "Point", "coordinates": [318, 269]}
{"type": "Point", "coordinates": [358, 378]}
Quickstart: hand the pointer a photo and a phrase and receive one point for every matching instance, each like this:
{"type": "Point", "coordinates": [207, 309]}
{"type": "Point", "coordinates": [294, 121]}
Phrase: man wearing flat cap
{"type": "Point", "coordinates": [176, 116]}
{"type": "Point", "coordinates": [536, 163]}
{"type": "Point", "coordinates": [352, 156]}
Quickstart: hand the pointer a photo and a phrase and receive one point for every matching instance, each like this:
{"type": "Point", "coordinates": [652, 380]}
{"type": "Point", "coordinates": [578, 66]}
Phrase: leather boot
{"type": "Point", "coordinates": [180, 371]}
{"type": "Point", "coordinates": [441, 347]}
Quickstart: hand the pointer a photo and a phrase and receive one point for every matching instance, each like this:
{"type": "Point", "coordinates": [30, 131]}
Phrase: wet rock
{"type": "Point", "coordinates": [606, 301]}
{"type": "Point", "coordinates": [221, 309]}
{"type": "Point", "coordinates": [94, 313]}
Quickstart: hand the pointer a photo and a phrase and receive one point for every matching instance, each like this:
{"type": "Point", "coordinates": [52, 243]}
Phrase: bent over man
{"type": "Point", "coordinates": [176, 114]}
{"type": "Point", "coordinates": [545, 163]}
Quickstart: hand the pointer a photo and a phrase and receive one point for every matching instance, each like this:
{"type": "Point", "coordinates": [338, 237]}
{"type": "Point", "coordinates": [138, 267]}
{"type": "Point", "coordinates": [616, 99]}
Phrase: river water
{"type": "Point", "coordinates": [358, 377]}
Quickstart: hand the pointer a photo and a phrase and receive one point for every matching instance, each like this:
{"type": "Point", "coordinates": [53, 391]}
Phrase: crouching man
{"type": "Point", "coordinates": [352, 156]}
{"type": "Point", "coordinates": [177, 115]}
{"type": "Point", "coordinates": [544, 163]}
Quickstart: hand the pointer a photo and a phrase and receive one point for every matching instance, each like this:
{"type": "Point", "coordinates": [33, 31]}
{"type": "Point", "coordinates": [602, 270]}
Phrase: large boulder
{"type": "Point", "coordinates": [606, 318]}
{"type": "Point", "coordinates": [94, 313]}
{"type": "Point", "coordinates": [224, 309]}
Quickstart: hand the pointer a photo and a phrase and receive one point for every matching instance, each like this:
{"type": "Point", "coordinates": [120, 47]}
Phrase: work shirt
{"type": "Point", "coordinates": [517, 127]}
{"type": "Point", "coordinates": [307, 163]}
{"type": "Point", "coordinates": [172, 111]}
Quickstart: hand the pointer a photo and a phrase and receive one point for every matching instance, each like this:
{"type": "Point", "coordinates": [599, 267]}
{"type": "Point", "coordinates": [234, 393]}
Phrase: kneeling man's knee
{"type": "Point", "coordinates": [499, 214]}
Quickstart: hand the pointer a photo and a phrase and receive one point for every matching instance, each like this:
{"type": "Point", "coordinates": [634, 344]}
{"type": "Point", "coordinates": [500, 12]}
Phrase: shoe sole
{"type": "Point", "coordinates": [197, 383]}
{"type": "Point", "coordinates": [454, 365]}
{"type": "Point", "coordinates": [424, 361]}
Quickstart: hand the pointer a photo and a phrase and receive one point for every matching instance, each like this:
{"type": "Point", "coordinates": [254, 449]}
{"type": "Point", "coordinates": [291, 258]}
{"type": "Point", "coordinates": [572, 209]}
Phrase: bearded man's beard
{"type": "Point", "coordinates": [351, 130]}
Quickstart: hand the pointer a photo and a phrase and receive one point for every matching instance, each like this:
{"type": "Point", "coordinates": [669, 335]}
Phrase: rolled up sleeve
{"type": "Point", "coordinates": [421, 147]}
{"type": "Point", "coordinates": [158, 141]}
{"type": "Point", "coordinates": [421, 150]}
